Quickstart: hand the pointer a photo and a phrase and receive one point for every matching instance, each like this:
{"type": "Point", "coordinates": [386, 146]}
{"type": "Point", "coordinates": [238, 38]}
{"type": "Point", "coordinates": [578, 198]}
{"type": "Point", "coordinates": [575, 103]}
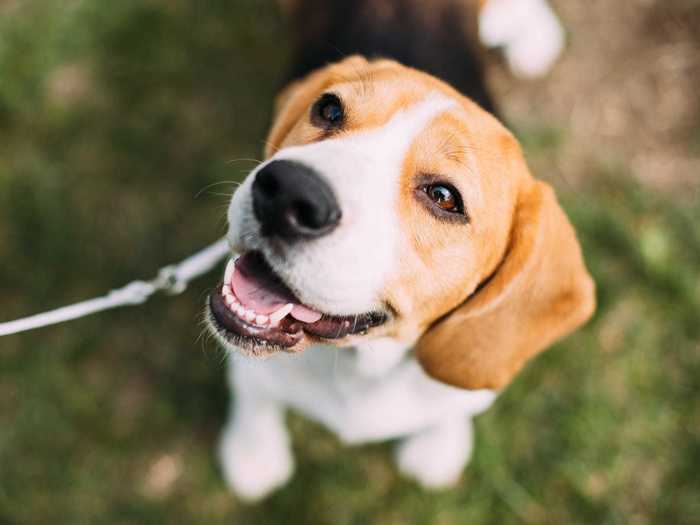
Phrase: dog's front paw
{"type": "Point", "coordinates": [255, 468]}
{"type": "Point", "coordinates": [436, 458]}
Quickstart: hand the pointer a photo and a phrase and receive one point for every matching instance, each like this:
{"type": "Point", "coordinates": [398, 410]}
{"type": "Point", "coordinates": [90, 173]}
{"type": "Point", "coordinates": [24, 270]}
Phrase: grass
{"type": "Point", "coordinates": [113, 117]}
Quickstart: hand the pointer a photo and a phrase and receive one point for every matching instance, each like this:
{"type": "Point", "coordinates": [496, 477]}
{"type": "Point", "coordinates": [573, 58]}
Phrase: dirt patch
{"type": "Point", "coordinates": [626, 90]}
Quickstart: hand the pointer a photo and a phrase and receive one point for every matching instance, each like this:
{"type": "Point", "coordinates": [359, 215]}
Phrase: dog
{"type": "Point", "coordinates": [397, 262]}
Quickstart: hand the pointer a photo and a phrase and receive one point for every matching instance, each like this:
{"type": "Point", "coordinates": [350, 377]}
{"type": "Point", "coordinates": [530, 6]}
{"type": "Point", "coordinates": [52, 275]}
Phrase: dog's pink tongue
{"type": "Point", "coordinates": [265, 297]}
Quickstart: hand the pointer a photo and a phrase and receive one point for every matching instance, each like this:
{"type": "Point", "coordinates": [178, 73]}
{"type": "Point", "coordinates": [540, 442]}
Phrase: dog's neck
{"type": "Point", "coordinates": [377, 357]}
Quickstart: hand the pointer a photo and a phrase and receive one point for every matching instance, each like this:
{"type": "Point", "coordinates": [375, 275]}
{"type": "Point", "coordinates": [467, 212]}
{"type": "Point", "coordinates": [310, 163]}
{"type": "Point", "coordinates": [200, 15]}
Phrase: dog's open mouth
{"type": "Point", "coordinates": [255, 310]}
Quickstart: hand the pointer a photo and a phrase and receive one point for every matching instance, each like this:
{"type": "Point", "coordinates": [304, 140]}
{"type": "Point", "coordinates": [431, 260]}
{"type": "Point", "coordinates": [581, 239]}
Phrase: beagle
{"type": "Point", "coordinates": [397, 266]}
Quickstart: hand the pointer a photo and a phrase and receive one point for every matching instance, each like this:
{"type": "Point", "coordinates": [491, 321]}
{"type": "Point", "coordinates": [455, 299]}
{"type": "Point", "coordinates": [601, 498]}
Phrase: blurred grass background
{"type": "Point", "coordinates": [114, 116]}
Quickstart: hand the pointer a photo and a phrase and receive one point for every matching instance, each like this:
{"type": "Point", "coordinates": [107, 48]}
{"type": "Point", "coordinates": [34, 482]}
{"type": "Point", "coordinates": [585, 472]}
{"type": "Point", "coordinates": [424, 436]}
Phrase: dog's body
{"type": "Point", "coordinates": [363, 395]}
{"type": "Point", "coordinates": [396, 220]}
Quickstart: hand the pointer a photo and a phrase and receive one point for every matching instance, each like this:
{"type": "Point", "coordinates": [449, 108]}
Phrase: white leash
{"type": "Point", "coordinates": [171, 279]}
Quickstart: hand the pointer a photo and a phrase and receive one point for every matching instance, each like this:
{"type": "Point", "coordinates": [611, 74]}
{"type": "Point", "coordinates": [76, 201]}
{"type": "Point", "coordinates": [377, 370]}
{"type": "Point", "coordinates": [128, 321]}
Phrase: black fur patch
{"type": "Point", "coordinates": [329, 30]}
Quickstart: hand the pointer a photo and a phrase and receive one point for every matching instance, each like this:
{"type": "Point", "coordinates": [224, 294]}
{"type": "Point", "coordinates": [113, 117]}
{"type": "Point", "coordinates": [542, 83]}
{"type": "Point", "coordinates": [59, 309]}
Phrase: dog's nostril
{"type": "Point", "coordinates": [268, 186]}
{"type": "Point", "coordinates": [306, 216]}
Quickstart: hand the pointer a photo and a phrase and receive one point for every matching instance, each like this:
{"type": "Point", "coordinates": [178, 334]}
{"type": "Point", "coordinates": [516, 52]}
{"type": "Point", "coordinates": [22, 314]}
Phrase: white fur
{"type": "Point", "coordinates": [377, 391]}
{"type": "Point", "coordinates": [528, 30]}
{"type": "Point", "coordinates": [254, 449]}
{"type": "Point", "coordinates": [344, 272]}
{"type": "Point", "coordinates": [329, 385]}
{"type": "Point", "coordinates": [437, 456]}
{"type": "Point", "coordinates": [378, 356]}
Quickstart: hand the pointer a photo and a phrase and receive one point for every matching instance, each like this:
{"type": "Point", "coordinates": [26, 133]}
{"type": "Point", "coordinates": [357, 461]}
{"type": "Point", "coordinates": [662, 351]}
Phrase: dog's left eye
{"type": "Point", "coordinates": [328, 112]}
{"type": "Point", "coordinates": [445, 197]}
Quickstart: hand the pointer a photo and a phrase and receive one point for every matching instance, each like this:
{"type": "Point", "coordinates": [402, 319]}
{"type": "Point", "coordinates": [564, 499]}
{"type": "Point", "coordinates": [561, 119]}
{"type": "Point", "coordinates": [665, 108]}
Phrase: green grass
{"type": "Point", "coordinates": [113, 116]}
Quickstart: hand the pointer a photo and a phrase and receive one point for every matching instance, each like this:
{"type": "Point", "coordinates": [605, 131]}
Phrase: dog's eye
{"type": "Point", "coordinates": [445, 197]}
{"type": "Point", "coordinates": [328, 112]}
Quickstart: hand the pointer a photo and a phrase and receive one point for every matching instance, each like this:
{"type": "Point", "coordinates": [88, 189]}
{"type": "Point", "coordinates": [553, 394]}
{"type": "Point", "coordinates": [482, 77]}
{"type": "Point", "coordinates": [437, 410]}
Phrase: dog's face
{"type": "Point", "coordinates": [389, 205]}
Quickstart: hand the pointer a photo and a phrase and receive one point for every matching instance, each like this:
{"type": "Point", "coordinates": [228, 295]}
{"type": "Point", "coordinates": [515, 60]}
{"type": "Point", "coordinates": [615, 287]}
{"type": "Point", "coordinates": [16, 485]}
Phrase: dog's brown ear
{"type": "Point", "coordinates": [293, 102]}
{"type": "Point", "coordinates": [540, 292]}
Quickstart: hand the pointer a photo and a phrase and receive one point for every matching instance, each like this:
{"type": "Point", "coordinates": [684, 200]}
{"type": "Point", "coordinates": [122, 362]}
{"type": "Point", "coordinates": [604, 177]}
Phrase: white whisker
{"type": "Point", "coordinates": [205, 188]}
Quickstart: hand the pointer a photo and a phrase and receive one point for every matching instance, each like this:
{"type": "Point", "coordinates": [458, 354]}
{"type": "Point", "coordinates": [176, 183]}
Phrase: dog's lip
{"type": "Point", "coordinates": [287, 332]}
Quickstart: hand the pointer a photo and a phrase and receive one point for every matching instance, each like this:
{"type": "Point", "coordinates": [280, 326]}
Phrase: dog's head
{"type": "Point", "coordinates": [390, 205]}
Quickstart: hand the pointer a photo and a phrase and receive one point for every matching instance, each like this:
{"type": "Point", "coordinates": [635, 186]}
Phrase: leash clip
{"type": "Point", "coordinates": [169, 282]}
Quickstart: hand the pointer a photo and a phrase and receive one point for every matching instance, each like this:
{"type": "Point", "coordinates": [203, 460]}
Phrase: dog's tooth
{"type": "Point", "coordinates": [225, 290]}
{"type": "Point", "coordinates": [261, 319]}
{"type": "Point", "coordinates": [250, 315]}
{"type": "Point", "coordinates": [228, 273]}
{"type": "Point", "coordinates": [229, 299]}
{"type": "Point", "coordinates": [280, 314]}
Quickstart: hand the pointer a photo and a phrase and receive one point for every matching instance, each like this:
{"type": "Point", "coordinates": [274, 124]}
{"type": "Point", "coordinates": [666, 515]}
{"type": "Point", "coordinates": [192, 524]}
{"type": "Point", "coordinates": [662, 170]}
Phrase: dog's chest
{"type": "Point", "coordinates": [337, 388]}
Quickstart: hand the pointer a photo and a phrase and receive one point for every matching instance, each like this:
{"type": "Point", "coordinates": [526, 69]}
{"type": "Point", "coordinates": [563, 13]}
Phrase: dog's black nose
{"type": "Point", "coordinates": [292, 201]}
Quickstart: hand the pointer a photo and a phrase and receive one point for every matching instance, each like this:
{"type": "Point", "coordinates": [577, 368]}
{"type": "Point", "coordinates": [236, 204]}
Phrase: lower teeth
{"type": "Point", "coordinates": [241, 312]}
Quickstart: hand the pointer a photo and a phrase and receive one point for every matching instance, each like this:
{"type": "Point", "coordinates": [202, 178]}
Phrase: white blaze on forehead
{"type": "Point", "coordinates": [344, 272]}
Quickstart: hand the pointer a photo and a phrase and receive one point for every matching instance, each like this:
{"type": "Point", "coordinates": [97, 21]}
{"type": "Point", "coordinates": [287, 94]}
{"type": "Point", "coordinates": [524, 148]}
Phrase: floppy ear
{"type": "Point", "coordinates": [540, 292]}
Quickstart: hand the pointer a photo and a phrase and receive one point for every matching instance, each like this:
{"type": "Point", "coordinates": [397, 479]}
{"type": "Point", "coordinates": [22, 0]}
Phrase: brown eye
{"type": "Point", "coordinates": [441, 199]}
{"type": "Point", "coordinates": [445, 197]}
{"type": "Point", "coordinates": [328, 112]}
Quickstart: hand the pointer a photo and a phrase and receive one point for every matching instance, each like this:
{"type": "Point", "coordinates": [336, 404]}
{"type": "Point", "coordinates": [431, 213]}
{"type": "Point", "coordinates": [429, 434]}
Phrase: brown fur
{"type": "Point", "coordinates": [539, 293]}
{"type": "Point", "coordinates": [480, 298]}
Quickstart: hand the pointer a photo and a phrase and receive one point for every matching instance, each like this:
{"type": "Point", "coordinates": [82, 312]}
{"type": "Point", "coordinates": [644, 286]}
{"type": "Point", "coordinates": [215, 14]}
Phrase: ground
{"type": "Point", "coordinates": [115, 116]}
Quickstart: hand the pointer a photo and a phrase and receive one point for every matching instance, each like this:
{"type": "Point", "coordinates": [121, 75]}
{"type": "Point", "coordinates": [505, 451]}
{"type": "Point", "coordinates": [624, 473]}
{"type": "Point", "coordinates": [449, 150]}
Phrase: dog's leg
{"type": "Point", "coordinates": [437, 456]}
{"type": "Point", "coordinates": [254, 450]}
